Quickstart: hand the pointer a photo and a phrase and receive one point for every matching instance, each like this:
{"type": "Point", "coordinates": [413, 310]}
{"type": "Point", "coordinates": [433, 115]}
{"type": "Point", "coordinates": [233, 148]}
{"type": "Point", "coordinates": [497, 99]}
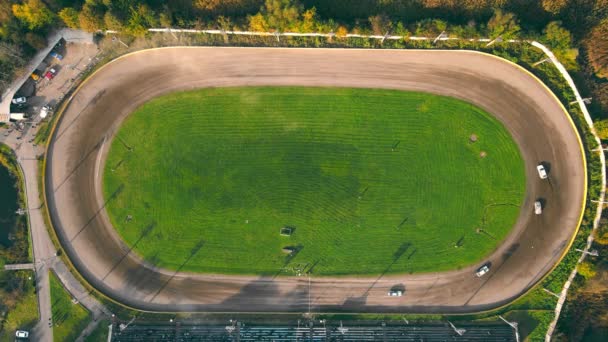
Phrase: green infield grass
{"type": "Point", "coordinates": [368, 181]}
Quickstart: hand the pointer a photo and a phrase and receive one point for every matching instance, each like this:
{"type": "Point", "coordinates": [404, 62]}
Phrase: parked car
{"type": "Point", "coordinates": [542, 173]}
{"type": "Point", "coordinates": [35, 75]}
{"type": "Point", "coordinates": [56, 55]}
{"type": "Point", "coordinates": [538, 208]}
{"type": "Point", "coordinates": [19, 100]}
{"type": "Point", "coordinates": [50, 74]}
{"type": "Point", "coordinates": [22, 334]}
{"type": "Point", "coordinates": [482, 270]}
{"type": "Point", "coordinates": [44, 111]}
{"type": "Point", "coordinates": [395, 293]}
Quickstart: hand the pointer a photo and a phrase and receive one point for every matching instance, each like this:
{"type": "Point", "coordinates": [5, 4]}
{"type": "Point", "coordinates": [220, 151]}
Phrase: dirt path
{"type": "Point", "coordinates": [532, 115]}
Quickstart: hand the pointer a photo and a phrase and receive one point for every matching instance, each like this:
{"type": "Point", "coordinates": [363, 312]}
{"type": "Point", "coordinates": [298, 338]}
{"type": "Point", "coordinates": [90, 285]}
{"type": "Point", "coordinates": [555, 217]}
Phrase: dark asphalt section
{"type": "Point", "coordinates": [531, 114]}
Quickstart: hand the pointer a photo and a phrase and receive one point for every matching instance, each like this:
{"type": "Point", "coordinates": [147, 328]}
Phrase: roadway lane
{"type": "Point", "coordinates": [532, 115]}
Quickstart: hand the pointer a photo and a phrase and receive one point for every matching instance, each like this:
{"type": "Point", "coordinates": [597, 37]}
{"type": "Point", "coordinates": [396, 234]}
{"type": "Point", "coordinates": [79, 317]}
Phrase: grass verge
{"type": "Point", "coordinates": [100, 334]}
{"type": "Point", "coordinates": [23, 309]}
{"type": "Point", "coordinates": [69, 318]}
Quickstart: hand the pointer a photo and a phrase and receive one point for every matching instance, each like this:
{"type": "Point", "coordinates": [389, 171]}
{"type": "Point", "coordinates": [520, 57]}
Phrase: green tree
{"type": "Point", "coordinates": [309, 20]}
{"type": "Point", "coordinates": [601, 127]}
{"type": "Point", "coordinates": [142, 18]}
{"type": "Point", "coordinates": [91, 18]}
{"type": "Point", "coordinates": [34, 14]}
{"type": "Point", "coordinates": [258, 23]}
{"type": "Point", "coordinates": [69, 16]}
{"type": "Point", "coordinates": [112, 22]}
{"type": "Point", "coordinates": [587, 270]}
{"type": "Point", "coordinates": [503, 24]}
{"type": "Point", "coordinates": [597, 48]}
{"type": "Point", "coordinates": [601, 234]}
{"type": "Point", "coordinates": [554, 6]}
{"type": "Point", "coordinates": [282, 15]}
{"type": "Point", "coordinates": [34, 40]}
{"type": "Point", "coordinates": [166, 17]}
{"type": "Point", "coordinates": [380, 24]}
{"type": "Point", "coordinates": [560, 41]}
{"type": "Point", "coordinates": [557, 37]}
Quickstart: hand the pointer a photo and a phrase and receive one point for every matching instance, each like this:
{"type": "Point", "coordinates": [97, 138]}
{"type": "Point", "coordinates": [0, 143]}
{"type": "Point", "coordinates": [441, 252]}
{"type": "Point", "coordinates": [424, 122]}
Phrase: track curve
{"type": "Point", "coordinates": [534, 117]}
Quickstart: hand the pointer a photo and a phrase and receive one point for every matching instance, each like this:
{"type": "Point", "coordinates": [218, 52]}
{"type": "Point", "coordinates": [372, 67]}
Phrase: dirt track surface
{"type": "Point", "coordinates": [531, 114]}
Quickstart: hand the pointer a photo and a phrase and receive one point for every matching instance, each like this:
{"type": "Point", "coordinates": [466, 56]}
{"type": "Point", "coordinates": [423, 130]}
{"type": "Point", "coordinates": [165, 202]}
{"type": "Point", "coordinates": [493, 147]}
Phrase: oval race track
{"type": "Point", "coordinates": [532, 115]}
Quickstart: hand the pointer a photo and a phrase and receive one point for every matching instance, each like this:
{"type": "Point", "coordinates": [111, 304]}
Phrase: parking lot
{"type": "Point", "coordinates": [45, 91]}
{"type": "Point", "coordinates": [73, 59]}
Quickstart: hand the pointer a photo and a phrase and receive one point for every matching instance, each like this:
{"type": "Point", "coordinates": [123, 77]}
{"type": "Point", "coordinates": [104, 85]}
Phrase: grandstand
{"type": "Point", "coordinates": [319, 332]}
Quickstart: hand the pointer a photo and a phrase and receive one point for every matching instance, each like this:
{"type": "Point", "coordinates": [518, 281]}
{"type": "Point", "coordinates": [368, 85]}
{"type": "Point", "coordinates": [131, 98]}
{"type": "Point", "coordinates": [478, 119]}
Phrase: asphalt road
{"type": "Point", "coordinates": [532, 115]}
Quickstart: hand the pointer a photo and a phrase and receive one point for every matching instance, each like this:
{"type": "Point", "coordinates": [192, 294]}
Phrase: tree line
{"type": "Point", "coordinates": [562, 24]}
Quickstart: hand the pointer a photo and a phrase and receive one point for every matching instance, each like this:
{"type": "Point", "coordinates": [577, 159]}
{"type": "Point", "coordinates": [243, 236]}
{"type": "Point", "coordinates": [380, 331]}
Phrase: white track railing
{"type": "Point", "coordinates": [600, 205]}
{"type": "Point", "coordinates": [311, 34]}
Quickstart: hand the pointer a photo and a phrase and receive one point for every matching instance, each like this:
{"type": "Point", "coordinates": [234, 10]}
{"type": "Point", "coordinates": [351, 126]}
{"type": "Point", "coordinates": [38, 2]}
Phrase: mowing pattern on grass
{"type": "Point", "coordinates": [69, 318]}
{"type": "Point", "coordinates": [370, 181]}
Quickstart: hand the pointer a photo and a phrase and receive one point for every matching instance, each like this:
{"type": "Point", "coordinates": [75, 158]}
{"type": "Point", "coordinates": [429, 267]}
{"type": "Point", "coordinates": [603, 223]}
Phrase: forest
{"type": "Point", "coordinates": [572, 27]}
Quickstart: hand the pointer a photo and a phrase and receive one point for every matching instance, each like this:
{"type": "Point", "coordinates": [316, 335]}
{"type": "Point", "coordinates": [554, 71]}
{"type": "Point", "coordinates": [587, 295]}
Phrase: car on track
{"type": "Point", "coordinates": [482, 270]}
{"type": "Point", "coordinates": [395, 293]}
{"type": "Point", "coordinates": [19, 100]}
{"type": "Point", "coordinates": [538, 208]}
{"type": "Point", "coordinates": [50, 74]}
{"type": "Point", "coordinates": [22, 334]}
{"type": "Point", "coordinates": [542, 173]}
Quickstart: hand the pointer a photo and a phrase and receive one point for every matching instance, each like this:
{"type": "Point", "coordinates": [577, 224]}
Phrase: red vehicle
{"type": "Point", "coordinates": [50, 74]}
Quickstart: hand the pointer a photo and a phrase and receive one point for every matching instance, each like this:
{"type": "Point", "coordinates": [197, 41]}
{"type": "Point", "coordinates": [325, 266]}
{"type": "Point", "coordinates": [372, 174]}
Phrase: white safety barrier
{"type": "Point", "coordinates": [600, 205]}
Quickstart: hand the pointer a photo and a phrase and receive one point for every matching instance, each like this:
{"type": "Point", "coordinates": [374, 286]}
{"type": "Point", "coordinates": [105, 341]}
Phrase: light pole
{"type": "Point", "coordinates": [541, 61]}
{"type": "Point", "coordinates": [114, 39]}
{"type": "Point", "coordinates": [460, 332]}
{"type": "Point", "coordinates": [513, 325]}
{"type": "Point", "coordinates": [342, 330]}
{"type": "Point", "coordinates": [440, 36]}
{"type": "Point", "coordinates": [551, 293]}
{"type": "Point", "coordinates": [586, 100]}
{"type": "Point", "coordinates": [495, 40]}
{"type": "Point", "coordinates": [592, 253]}
{"type": "Point", "coordinates": [122, 326]}
{"type": "Point", "coordinates": [230, 328]}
